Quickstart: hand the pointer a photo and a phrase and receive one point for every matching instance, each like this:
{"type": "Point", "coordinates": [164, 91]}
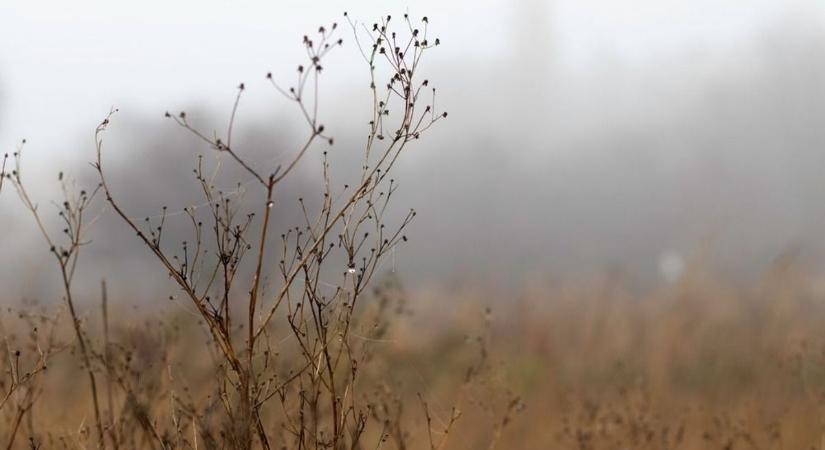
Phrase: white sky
{"type": "Point", "coordinates": [62, 64]}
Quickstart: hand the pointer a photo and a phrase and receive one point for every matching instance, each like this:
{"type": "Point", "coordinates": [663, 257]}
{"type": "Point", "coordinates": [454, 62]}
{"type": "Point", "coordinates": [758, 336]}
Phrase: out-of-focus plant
{"type": "Point", "coordinates": [66, 249]}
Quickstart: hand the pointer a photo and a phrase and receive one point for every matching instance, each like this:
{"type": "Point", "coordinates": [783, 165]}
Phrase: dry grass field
{"type": "Point", "coordinates": [697, 365]}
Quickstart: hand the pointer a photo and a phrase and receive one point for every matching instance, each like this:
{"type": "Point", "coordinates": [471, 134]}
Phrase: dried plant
{"type": "Point", "coordinates": [3, 174]}
{"type": "Point", "coordinates": [66, 251]}
{"type": "Point", "coordinates": [292, 352]}
{"type": "Point", "coordinates": [27, 360]}
{"type": "Point", "coordinates": [318, 387]}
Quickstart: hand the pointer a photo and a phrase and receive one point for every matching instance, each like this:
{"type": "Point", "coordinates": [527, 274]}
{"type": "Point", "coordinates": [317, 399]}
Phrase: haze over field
{"type": "Point", "coordinates": [606, 229]}
{"type": "Point", "coordinates": [585, 135]}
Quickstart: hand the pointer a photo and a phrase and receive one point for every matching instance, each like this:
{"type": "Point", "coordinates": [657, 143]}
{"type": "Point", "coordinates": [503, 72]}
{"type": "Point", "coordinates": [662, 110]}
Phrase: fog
{"type": "Point", "coordinates": [584, 136]}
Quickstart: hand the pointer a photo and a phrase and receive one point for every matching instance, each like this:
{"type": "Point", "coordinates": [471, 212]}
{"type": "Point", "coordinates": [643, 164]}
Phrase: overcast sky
{"type": "Point", "coordinates": [63, 64]}
{"type": "Point", "coordinates": [600, 133]}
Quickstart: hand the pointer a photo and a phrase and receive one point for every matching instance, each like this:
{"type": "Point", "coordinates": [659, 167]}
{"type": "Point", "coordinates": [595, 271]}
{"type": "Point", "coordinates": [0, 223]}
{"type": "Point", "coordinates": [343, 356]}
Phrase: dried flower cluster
{"type": "Point", "coordinates": [248, 283]}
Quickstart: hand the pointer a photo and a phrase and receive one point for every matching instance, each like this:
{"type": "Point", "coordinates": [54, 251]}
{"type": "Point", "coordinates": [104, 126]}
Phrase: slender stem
{"type": "Point", "coordinates": [104, 298]}
{"type": "Point", "coordinates": [85, 353]}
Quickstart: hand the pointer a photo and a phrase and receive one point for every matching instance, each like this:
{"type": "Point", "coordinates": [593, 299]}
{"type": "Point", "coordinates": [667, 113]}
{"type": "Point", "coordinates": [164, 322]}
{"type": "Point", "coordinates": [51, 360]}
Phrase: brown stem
{"type": "Point", "coordinates": [107, 362]}
{"type": "Point", "coordinates": [85, 354]}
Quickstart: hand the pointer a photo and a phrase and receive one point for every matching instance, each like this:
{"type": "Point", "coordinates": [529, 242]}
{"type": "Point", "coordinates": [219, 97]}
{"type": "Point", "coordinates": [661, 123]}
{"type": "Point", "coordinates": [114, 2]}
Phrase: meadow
{"type": "Point", "coordinates": [701, 364]}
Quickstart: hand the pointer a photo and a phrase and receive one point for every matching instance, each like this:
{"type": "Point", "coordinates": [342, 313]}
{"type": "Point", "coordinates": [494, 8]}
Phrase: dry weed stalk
{"type": "Point", "coordinates": [21, 380]}
{"type": "Point", "coordinates": [73, 217]}
{"type": "Point", "coordinates": [3, 174]}
{"type": "Point", "coordinates": [319, 395]}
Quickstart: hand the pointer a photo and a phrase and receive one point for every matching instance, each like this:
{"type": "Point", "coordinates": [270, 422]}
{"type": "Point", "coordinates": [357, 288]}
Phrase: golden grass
{"type": "Point", "coordinates": [697, 365]}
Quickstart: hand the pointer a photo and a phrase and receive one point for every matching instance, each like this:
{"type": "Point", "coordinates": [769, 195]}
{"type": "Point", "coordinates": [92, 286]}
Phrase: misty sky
{"type": "Point", "coordinates": [63, 64]}
{"type": "Point", "coordinates": [584, 134]}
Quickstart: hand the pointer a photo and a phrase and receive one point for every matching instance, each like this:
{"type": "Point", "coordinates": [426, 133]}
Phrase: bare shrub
{"type": "Point", "coordinates": [248, 283]}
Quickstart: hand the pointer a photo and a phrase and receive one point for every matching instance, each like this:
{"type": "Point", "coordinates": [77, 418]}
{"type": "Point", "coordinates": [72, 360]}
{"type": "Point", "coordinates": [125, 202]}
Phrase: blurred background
{"type": "Point", "coordinates": [586, 137]}
{"type": "Point", "coordinates": [620, 228]}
